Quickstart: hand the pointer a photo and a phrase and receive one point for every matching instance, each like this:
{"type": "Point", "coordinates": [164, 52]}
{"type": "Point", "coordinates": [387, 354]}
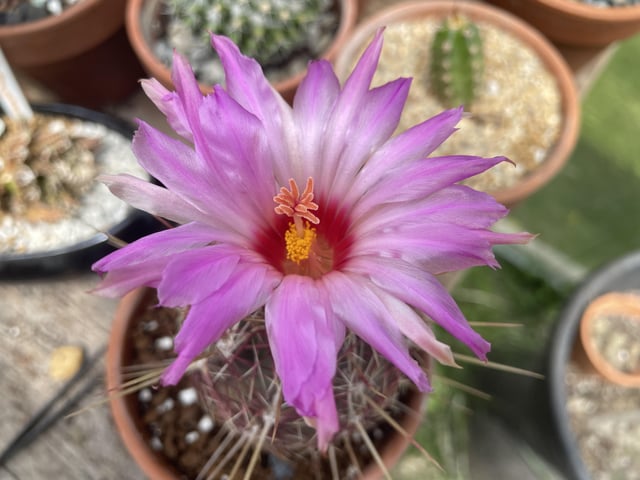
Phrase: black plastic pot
{"type": "Point", "coordinates": [620, 275]}
{"type": "Point", "coordinates": [80, 255]}
{"type": "Point", "coordinates": [534, 409]}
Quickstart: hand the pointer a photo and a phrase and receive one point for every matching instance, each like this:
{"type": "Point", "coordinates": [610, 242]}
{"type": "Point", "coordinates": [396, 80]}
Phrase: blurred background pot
{"type": "Point", "coordinates": [73, 242]}
{"type": "Point", "coordinates": [145, 24]}
{"type": "Point", "coordinates": [561, 81]}
{"type": "Point", "coordinates": [82, 55]}
{"type": "Point", "coordinates": [570, 22]}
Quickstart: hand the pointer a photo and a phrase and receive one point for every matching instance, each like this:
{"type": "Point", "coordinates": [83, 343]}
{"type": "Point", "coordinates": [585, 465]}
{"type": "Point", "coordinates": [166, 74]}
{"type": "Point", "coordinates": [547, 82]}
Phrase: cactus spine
{"type": "Point", "coordinates": [456, 61]}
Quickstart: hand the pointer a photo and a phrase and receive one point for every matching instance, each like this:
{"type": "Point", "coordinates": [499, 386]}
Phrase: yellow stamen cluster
{"type": "Point", "coordinates": [299, 247]}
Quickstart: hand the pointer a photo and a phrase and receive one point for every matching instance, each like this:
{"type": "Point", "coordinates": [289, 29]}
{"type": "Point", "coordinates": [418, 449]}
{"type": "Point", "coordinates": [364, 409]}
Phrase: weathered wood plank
{"type": "Point", "coordinates": [37, 317]}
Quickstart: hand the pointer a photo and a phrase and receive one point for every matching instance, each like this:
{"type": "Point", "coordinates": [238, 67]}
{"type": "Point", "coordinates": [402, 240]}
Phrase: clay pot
{"type": "Point", "coordinates": [82, 55]}
{"type": "Point", "coordinates": [127, 421]}
{"type": "Point", "coordinates": [623, 304]}
{"type": "Point", "coordinates": [142, 15]}
{"type": "Point", "coordinates": [558, 155]}
{"type": "Point", "coordinates": [569, 22]}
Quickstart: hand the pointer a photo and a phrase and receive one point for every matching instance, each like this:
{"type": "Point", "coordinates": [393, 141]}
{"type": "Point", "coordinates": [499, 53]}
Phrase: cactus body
{"type": "Point", "coordinates": [268, 30]}
{"type": "Point", "coordinates": [46, 164]}
{"type": "Point", "coordinates": [456, 62]}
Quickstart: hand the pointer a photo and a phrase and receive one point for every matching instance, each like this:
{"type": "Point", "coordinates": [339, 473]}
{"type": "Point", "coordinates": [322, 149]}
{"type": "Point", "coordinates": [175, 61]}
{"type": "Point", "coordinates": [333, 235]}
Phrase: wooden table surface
{"type": "Point", "coordinates": [39, 315]}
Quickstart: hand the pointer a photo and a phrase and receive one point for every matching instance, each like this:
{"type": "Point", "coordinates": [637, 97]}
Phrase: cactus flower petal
{"type": "Point", "coordinates": [301, 325]}
{"type": "Point", "coordinates": [315, 212]}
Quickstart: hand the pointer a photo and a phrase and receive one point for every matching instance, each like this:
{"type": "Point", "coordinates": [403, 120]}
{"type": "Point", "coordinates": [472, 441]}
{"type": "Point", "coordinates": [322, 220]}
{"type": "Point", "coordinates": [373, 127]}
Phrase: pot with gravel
{"type": "Point", "coordinates": [594, 412]}
{"type": "Point", "coordinates": [282, 36]}
{"type": "Point", "coordinates": [519, 92]}
{"type": "Point", "coordinates": [53, 214]}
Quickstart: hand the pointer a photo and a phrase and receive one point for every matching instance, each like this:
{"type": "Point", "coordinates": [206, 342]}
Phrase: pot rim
{"type": "Point", "coordinates": [576, 9]}
{"type": "Point", "coordinates": [559, 154]}
{"type": "Point", "coordinates": [622, 303]}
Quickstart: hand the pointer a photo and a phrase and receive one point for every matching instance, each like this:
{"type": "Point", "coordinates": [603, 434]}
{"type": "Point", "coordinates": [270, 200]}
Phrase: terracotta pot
{"type": "Point", "coordinates": [82, 55]}
{"type": "Point", "coordinates": [129, 426]}
{"type": "Point", "coordinates": [624, 304]}
{"type": "Point", "coordinates": [569, 22]}
{"type": "Point", "coordinates": [555, 64]}
{"type": "Point", "coordinates": [141, 15]}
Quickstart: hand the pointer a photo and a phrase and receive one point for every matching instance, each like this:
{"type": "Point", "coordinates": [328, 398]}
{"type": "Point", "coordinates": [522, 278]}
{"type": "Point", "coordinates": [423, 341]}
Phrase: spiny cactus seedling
{"type": "Point", "coordinates": [456, 61]}
{"type": "Point", "coordinates": [46, 164]}
{"type": "Point", "coordinates": [268, 30]}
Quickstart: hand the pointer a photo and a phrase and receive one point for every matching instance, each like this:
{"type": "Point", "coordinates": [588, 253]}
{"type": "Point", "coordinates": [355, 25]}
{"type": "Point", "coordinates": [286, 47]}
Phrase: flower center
{"type": "Point", "coordinates": [299, 247]}
{"type": "Point", "coordinates": [305, 252]}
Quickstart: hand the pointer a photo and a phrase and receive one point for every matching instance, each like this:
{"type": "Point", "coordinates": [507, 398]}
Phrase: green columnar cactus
{"type": "Point", "coordinates": [456, 61]}
{"type": "Point", "coordinates": [267, 30]}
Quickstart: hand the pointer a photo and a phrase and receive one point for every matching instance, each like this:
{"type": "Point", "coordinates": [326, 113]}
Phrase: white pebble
{"type": "Point", "coordinates": [191, 437]}
{"type": "Point", "coordinates": [145, 395]}
{"type": "Point", "coordinates": [164, 343]}
{"type": "Point", "coordinates": [188, 396]}
{"type": "Point", "coordinates": [205, 424]}
{"type": "Point", "coordinates": [166, 405]}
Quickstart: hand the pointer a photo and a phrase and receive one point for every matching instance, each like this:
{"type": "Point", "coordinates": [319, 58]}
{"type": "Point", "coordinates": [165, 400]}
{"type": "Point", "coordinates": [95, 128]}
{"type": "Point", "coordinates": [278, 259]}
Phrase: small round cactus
{"type": "Point", "coordinates": [456, 61]}
{"type": "Point", "coordinates": [46, 164]}
{"type": "Point", "coordinates": [271, 31]}
{"type": "Point", "coordinates": [243, 393]}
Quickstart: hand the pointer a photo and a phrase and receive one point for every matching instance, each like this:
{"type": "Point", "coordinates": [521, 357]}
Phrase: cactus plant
{"type": "Point", "coordinates": [271, 31]}
{"type": "Point", "coordinates": [268, 30]}
{"type": "Point", "coordinates": [240, 393]}
{"type": "Point", "coordinates": [46, 164]}
{"type": "Point", "coordinates": [456, 61]}
{"type": "Point", "coordinates": [242, 387]}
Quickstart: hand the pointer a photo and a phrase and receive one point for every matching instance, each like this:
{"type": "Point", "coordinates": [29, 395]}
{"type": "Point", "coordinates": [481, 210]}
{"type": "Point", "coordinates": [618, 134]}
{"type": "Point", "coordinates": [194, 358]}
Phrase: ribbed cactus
{"type": "Point", "coordinates": [46, 164]}
{"type": "Point", "coordinates": [456, 61]}
{"type": "Point", "coordinates": [268, 30]}
{"type": "Point", "coordinates": [244, 395]}
{"type": "Point", "coordinates": [240, 395]}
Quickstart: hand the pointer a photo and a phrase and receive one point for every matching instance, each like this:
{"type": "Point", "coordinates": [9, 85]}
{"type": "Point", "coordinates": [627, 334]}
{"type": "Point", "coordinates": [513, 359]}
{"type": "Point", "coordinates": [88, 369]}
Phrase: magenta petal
{"type": "Point", "coordinates": [312, 106]}
{"type": "Point", "coordinates": [170, 105]}
{"type": "Point", "coordinates": [153, 199]}
{"type": "Point", "coordinates": [246, 291]}
{"type": "Point", "coordinates": [188, 91]}
{"type": "Point", "coordinates": [365, 314]}
{"type": "Point", "coordinates": [176, 165]}
{"type": "Point", "coordinates": [247, 85]}
{"type": "Point", "coordinates": [414, 144]}
{"type": "Point", "coordinates": [141, 263]}
{"type": "Point", "coordinates": [424, 292]}
{"type": "Point", "coordinates": [417, 329]}
{"type": "Point", "coordinates": [237, 149]}
{"type": "Point", "coordinates": [421, 179]}
{"type": "Point", "coordinates": [371, 126]}
{"type": "Point", "coordinates": [211, 266]}
{"type": "Point", "coordinates": [305, 339]}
